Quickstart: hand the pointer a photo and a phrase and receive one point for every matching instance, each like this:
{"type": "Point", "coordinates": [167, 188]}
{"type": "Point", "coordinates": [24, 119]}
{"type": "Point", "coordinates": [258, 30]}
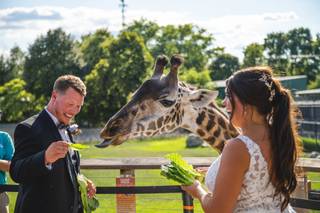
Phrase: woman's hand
{"type": "Point", "coordinates": [195, 190]}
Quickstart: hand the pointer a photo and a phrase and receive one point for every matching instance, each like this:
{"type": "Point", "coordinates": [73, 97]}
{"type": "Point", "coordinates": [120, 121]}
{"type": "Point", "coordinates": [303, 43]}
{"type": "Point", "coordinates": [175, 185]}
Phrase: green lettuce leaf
{"type": "Point", "coordinates": [179, 170]}
{"type": "Point", "coordinates": [89, 204]}
{"type": "Point", "coordinates": [78, 146]}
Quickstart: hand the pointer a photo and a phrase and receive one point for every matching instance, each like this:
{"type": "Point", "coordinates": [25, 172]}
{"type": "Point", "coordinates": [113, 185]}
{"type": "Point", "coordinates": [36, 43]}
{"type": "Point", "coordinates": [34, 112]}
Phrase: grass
{"type": "Point", "coordinates": [311, 144]}
{"type": "Point", "coordinates": [148, 203]}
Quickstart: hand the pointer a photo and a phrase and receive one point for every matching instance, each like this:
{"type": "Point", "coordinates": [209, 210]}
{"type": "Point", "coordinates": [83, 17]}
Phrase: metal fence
{"type": "Point", "coordinates": [309, 124]}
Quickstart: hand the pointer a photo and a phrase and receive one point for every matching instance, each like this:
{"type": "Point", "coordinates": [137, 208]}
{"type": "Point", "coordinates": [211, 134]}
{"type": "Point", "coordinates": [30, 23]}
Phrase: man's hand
{"type": "Point", "coordinates": [55, 151]}
{"type": "Point", "coordinates": [91, 189]}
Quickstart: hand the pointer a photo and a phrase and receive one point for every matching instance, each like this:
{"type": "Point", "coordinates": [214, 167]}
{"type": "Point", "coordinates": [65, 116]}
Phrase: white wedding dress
{"type": "Point", "coordinates": [256, 194]}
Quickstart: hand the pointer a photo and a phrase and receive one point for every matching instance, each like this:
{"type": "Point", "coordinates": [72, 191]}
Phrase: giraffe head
{"type": "Point", "coordinates": [162, 104]}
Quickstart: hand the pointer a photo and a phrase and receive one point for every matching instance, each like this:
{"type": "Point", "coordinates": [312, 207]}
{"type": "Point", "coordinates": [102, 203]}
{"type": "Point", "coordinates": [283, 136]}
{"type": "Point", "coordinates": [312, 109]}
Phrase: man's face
{"type": "Point", "coordinates": [67, 105]}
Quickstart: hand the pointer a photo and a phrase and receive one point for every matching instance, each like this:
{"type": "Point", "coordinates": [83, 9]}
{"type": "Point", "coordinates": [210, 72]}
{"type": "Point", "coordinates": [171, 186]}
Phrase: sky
{"type": "Point", "coordinates": [233, 24]}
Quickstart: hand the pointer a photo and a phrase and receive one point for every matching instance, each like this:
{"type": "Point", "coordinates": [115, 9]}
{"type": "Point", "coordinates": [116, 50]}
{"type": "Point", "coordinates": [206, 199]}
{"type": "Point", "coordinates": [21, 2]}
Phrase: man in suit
{"type": "Point", "coordinates": [43, 164]}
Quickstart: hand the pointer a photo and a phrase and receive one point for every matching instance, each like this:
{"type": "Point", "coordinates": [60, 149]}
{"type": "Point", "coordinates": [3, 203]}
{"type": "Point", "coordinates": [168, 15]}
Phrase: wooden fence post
{"type": "Point", "coordinates": [302, 191]}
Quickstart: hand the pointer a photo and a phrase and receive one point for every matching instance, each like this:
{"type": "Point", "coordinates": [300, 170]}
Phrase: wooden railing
{"type": "Point", "coordinates": [304, 197]}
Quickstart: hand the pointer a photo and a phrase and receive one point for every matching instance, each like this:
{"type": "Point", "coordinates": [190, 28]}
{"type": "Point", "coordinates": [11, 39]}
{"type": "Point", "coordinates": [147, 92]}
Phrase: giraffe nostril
{"type": "Point", "coordinates": [134, 112]}
{"type": "Point", "coordinates": [103, 134]}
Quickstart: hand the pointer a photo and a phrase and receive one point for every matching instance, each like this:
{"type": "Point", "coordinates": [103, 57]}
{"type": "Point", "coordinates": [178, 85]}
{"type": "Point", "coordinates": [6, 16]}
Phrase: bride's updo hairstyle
{"type": "Point", "coordinates": [256, 86]}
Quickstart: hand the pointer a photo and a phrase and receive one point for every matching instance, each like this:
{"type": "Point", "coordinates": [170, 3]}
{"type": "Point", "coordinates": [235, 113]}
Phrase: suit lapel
{"type": "Point", "coordinates": [51, 127]}
{"type": "Point", "coordinates": [77, 166]}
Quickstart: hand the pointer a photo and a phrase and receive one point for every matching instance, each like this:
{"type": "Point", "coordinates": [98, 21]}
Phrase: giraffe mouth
{"type": "Point", "coordinates": [105, 143]}
{"type": "Point", "coordinates": [112, 141]}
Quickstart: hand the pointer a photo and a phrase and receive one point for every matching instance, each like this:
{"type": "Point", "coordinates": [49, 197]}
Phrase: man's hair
{"type": "Point", "coordinates": [66, 81]}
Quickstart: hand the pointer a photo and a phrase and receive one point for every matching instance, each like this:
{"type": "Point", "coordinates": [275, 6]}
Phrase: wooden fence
{"type": "Point", "coordinates": [304, 196]}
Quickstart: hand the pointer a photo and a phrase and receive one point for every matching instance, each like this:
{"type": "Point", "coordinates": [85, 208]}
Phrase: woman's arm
{"type": "Point", "coordinates": [234, 163]}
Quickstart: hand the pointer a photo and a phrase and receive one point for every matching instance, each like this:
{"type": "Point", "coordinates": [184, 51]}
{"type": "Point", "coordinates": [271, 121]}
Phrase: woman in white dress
{"type": "Point", "coordinates": [256, 170]}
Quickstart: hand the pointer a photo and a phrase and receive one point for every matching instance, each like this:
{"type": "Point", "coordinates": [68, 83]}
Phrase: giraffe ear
{"type": "Point", "coordinates": [202, 97]}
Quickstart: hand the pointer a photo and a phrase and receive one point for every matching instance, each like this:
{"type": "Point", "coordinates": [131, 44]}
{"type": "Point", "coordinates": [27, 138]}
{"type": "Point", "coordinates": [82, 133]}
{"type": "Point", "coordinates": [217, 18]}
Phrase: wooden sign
{"type": "Point", "coordinates": [126, 203]}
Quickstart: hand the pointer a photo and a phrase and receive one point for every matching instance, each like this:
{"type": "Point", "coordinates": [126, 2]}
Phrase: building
{"type": "Point", "coordinates": [294, 83]}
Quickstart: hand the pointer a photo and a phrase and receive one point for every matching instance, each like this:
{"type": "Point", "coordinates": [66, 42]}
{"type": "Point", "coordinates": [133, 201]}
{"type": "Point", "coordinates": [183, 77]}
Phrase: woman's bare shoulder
{"type": "Point", "coordinates": [236, 151]}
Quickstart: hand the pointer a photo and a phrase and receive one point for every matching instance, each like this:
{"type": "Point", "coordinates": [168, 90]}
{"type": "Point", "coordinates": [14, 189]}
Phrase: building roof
{"type": "Point", "coordinates": [287, 78]}
{"type": "Point", "coordinates": [222, 83]}
{"type": "Point", "coordinates": [308, 92]}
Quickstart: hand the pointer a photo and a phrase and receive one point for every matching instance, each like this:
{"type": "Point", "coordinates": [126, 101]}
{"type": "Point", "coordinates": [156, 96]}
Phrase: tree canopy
{"type": "Point", "coordinates": [114, 65]}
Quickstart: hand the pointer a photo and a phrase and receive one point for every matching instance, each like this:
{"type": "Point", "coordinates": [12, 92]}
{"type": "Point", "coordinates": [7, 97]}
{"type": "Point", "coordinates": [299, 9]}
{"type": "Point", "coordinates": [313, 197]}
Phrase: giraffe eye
{"type": "Point", "coordinates": [167, 103]}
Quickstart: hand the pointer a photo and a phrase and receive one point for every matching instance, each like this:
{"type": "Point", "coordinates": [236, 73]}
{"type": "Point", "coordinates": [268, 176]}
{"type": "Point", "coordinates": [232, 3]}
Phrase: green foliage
{"type": "Point", "coordinates": [300, 49]}
{"type": "Point", "coordinates": [293, 53]}
{"type": "Point", "coordinates": [196, 78]}
{"type": "Point", "coordinates": [253, 55]}
{"type": "Point", "coordinates": [275, 48]}
{"type": "Point", "coordinates": [16, 103]}
{"type": "Point", "coordinates": [193, 42]}
{"type": "Point", "coordinates": [94, 47]}
{"type": "Point", "coordinates": [223, 66]}
{"type": "Point", "coordinates": [115, 66]}
{"type": "Point", "coordinates": [310, 144]}
{"type": "Point", "coordinates": [12, 67]}
{"type": "Point", "coordinates": [316, 83]}
{"type": "Point", "coordinates": [131, 62]}
{"type": "Point", "coordinates": [146, 29]}
{"type": "Point", "coordinates": [3, 71]}
{"type": "Point", "coordinates": [48, 58]}
{"type": "Point", "coordinates": [98, 97]}
{"type": "Point", "coordinates": [110, 83]}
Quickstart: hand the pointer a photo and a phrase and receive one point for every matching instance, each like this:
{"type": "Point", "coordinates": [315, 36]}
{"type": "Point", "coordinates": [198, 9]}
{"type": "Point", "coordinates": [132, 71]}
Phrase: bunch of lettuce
{"type": "Point", "coordinates": [89, 204]}
{"type": "Point", "coordinates": [179, 170]}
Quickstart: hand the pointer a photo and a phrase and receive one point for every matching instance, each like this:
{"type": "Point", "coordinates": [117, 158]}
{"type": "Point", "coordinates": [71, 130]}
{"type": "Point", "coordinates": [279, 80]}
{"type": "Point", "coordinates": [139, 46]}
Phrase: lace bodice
{"type": "Point", "coordinates": [256, 193]}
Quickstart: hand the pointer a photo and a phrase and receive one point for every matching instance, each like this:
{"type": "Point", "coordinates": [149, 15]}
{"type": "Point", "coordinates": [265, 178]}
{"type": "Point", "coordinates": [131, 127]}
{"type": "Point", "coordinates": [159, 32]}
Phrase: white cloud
{"type": "Point", "coordinates": [20, 26]}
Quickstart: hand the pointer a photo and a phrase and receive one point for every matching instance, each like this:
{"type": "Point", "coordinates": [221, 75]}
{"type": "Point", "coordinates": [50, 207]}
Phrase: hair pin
{"type": "Point", "coordinates": [267, 80]}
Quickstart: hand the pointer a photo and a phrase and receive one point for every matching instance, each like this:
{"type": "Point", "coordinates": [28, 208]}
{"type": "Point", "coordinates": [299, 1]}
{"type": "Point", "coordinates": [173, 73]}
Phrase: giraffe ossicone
{"type": "Point", "coordinates": [162, 104]}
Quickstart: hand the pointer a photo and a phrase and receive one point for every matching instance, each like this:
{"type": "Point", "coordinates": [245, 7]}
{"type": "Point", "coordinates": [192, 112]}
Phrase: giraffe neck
{"type": "Point", "coordinates": [212, 125]}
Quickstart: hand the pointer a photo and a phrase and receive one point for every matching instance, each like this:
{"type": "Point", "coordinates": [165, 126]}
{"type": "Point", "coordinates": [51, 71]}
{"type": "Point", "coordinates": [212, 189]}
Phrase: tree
{"type": "Point", "coordinates": [315, 84]}
{"type": "Point", "coordinates": [316, 59]}
{"type": "Point", "coordinates": [275, 47]}
{"type": "Point", "coordinates": [193, 42]}
{"type": "Point", "coordinates": [16, 62]}
{"type": "Point", "coordinates": [16, 102]}
{"type": "Point", "coordinates": [196, 78]}
{"type": "Point", "coordinates": [300, 50]}
{"type": "Point", "coordinates": [253, 55]}
{"type": "Point", "coordinates": [110, 82]}
{"type": "Point", "coordinates": [97, 104]}
{"type": "Point", "coordinates": [146, 29]}
{"type": "Point", "coordinates": [4, 75]}
{"type": "Point", "coordinates": [223, 66]}
{"type": "Point", "coordinates": [48, 58]}
{"type": "Point", "coordinates": [11, 67]}
{"type": "Point", "coordinates": [94, 47]}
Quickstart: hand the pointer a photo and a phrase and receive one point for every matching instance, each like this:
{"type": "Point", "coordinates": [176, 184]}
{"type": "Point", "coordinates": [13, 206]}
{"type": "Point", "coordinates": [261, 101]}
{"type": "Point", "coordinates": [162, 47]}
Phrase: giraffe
{"type": "Point", "coordinates": [162, 104]}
